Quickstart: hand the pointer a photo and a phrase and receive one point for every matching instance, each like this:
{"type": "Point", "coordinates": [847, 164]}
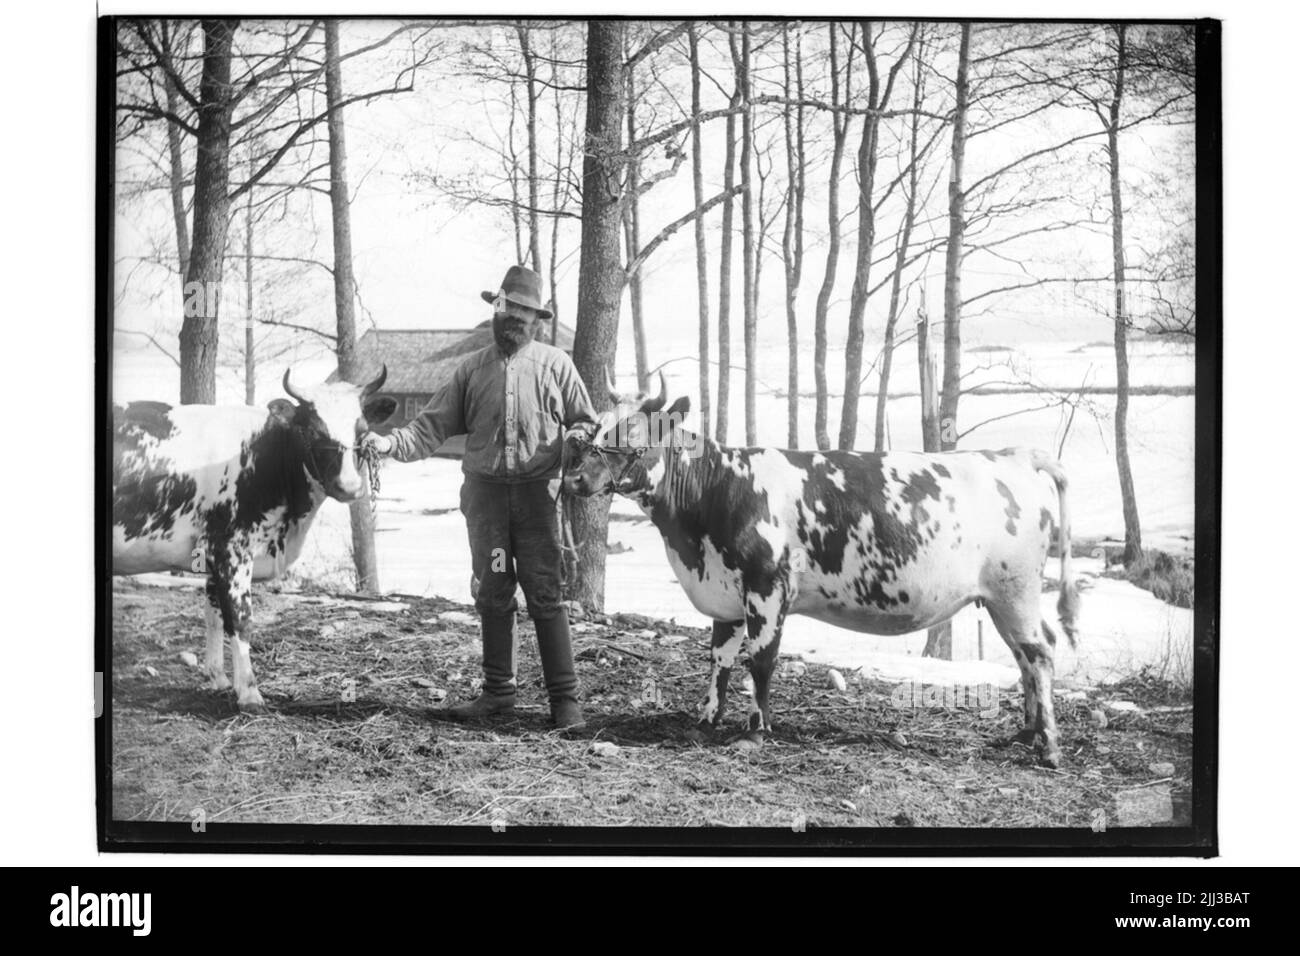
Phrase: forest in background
{"type": "Point", "coordinates": [866, 186]}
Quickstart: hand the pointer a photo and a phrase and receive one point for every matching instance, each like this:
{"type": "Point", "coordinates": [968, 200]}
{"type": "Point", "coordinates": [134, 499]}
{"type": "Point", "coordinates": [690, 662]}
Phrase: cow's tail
{"type": "Point", "coordinates": [1067, 606]}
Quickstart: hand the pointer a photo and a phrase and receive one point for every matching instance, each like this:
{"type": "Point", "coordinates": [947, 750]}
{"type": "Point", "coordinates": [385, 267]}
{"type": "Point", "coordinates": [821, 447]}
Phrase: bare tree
{"type": "Point", "coordinates": [1128, 495]}
{"type": "Point", "coordinates": [879, 90]}
{"type": "Point", "coordinates": [841, 95]}
{"type": "Point", "coordinates": [792, 238]}
{"type": "Point", "coordinates": [216, 101]}
{"type": "Point", "coordinates": [363, 521]}
{"type": "Point", "coordinates": [531, 95]}
{"type": "Point", "coordinates": [903, 244]}
{"type": "Point", "coordinates": [953, 254]}
{"type": "Point", "coordinates": [724, 267]}
{"type": "Point", "coordinates": [749, 251]}
{"type": "Point", "coordinates": [176, 155]}
{"type": "Point", "coordinates": [701, 247]}
{"type": "Point", "coordinates": [269, 93]}
{"type": "Point", "coordinates": [250, 360]}
{"type": "Point", "coordinates": [632, 235]}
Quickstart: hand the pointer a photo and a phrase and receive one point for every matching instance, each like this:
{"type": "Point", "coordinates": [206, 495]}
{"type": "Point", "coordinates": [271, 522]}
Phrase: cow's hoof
{"type": "Point", "coordinates": [750, 741]}
{"type": "Point", "coordinates": [1051, 758]}
{"type": "Point", "coordinates": [220, 682]}
{"type": "Point", "coordinates": [252, 703]}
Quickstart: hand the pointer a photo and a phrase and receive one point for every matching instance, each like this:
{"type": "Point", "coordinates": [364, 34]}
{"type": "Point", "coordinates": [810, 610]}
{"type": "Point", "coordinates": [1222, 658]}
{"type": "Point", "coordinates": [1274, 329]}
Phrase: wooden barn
{"type": "Point", "coordinates": [421, 361]}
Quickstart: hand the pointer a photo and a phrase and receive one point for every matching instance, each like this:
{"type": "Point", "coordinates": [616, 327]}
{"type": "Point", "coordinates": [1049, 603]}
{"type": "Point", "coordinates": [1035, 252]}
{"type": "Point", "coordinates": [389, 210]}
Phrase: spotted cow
{"type": "Point", "coordinates": [887, 543]}
{"type": "Point", "coordinates": [232, 491]}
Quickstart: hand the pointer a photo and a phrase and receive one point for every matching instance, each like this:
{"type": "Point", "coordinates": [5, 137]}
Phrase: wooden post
{"type": "Point", "coordinates": [979, 633]}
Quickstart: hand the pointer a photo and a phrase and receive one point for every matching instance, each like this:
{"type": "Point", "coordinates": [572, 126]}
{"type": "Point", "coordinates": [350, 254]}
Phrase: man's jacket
{"type": "Point", "coordinates": [515, 412]}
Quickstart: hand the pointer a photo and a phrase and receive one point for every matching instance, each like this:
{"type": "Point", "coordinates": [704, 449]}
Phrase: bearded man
{"type": "Point", "coordinates": [516, 401]}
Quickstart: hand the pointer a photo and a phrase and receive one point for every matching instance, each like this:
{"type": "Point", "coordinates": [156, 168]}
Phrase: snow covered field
{"type": "Point", "coordinates": [422, 547]}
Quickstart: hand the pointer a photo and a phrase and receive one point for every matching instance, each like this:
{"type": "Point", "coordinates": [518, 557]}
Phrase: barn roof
{"type": "Point", "coordinates": [406, 352]}
{"type": "Point", "coordinates": [421, 360]}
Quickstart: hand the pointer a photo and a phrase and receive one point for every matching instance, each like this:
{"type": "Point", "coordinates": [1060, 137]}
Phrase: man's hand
{"type": "Point", "coordinates": [580, 432]}
{"type": "Point", "coordinates": [378, 442]}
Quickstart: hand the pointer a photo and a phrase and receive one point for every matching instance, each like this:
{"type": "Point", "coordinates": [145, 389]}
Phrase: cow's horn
{"type": "Point", "coordinates": [289, 388]}
{"type": "Point", "coordinates": [614, 395]}
{"type": "Point", "coordinates": [377, 384]}
{"type": "Point", "coordinates": [658, 401]}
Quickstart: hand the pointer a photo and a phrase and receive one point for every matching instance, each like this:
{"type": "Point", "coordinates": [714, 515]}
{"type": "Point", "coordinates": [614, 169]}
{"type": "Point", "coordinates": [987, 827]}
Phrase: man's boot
{"type": "Point", "coordinates": [556, 651]}
{"type": "Point", "coordinates": [498, 695]}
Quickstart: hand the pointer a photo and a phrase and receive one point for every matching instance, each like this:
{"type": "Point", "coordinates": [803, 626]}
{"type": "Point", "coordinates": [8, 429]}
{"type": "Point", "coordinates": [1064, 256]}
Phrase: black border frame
{"type": "Point", "coordinates": [1198, 839]}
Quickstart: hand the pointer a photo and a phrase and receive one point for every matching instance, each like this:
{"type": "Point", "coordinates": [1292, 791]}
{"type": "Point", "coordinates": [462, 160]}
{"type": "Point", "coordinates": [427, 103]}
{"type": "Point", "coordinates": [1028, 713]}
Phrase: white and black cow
{"type": "Point", "coordinates": [232, 490]}
{"type": "Point", "coordinates": [879, 543]}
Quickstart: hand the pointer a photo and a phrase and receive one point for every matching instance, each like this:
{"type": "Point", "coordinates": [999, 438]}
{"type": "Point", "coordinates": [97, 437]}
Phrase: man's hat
{"type": "Point", "coordinates": [522, 286]}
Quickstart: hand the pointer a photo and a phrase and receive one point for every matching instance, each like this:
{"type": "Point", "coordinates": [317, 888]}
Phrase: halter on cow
{"type": "Point", "coordinates": [233, 490]}
{"type": "Point", "coordinates": [879, 543]}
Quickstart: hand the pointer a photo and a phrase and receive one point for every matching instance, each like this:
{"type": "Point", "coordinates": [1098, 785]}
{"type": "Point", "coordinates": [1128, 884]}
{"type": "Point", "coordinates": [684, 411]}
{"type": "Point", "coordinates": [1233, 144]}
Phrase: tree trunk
{"type": "Point", "coordinates": [555, 195]}
{"type": "Point", "coordinates": [938, 639]}
{"type": "Point", "coordinates": [724, 267]}
{"type": "Point", "coordinates": [1132, 526]}
{"type": "Point", "coordinates": [177, 177]}
{"type": "Point", "coordinates": [198, 339]}
{"type": "Point", "coordinates": [840, 124]}
{"type": "Point", "coordinates": [748, 250]}
{"type": "Point", "coordinates": [900, 257]}
{"type": "Point", "coordinates": [632, 240]}
{"type": "Point", "coordinates": [792, 237]}
{"type": "Point", "coordinates": [600, 275]}
{"type": "Point", "coordinates": [530, 75]}
{"type": "Point", "coordinates": [363, 524]}
{"type": "Point", "coordinates": [701, 246]}
{"type": "Point", "coordinates": [952, 262]}
{"type": "Point", "coordinates": [866, 242]}
{"type": "Point", "coordinates": [929, 387]}
{"type": "Point", "coordinates": [250, 364]}
{"type": "Point", "coordinates": [512, 158]}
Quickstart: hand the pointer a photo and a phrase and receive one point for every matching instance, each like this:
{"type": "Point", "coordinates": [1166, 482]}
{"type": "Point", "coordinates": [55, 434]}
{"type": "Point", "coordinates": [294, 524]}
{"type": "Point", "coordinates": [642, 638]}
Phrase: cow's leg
{"type": "Point", "coordinates": [214, 658]}
{"type": "Point", "coordinates": [1019, 623]}
{"type": "Point", "coordinates": [728, 636]}
{"type": "Point", "coordinates": [764, 619]}
{"type": "Point", "coordinates": [233, 573]}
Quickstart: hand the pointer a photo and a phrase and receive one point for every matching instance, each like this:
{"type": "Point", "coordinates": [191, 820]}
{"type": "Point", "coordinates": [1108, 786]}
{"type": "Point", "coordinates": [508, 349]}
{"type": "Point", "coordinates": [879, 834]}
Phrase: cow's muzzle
{"type": "Point", "coordinates": [579, 484]}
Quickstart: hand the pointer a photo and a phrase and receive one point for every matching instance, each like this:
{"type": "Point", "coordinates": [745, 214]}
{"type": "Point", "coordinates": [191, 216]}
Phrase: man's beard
{"type": "Point", "coordinates": [512, 334]}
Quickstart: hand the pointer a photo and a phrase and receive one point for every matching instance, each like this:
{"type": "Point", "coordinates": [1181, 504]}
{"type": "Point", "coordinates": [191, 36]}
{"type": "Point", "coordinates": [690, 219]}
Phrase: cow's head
{"type": "Point", "coordinates": [324, 427]}
{"type": "Point", "coordinates": [624, 455]}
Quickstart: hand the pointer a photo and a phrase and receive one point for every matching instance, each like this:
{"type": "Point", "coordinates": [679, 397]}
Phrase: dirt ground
{"type": "Point", "coordinates": [350, 734]}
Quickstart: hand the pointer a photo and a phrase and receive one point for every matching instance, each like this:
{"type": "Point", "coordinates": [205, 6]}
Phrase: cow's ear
{"type": "Point", "coordinates": [679, 409]}
{"type": "Point", "coordinates": [379, 410]}
{"type": "Point", "coordinates": [283, 409]}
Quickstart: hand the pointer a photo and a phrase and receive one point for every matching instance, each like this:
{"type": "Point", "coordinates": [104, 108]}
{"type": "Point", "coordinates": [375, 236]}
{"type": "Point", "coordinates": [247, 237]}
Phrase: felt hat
{"type": "Point", "coordinates": [522, 286]}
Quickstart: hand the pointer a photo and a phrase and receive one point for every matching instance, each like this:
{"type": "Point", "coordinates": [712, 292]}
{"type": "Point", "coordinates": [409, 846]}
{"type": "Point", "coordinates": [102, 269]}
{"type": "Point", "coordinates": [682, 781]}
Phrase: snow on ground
{"type": "Point", "coordinates": [423, 550]}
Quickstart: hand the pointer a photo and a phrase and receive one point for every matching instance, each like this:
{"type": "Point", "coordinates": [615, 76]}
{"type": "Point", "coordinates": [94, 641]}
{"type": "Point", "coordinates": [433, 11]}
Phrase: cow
{"type": "Point", "coordinates": [880, 543]}
{"type": "Point", "coordinates": [232, 491]}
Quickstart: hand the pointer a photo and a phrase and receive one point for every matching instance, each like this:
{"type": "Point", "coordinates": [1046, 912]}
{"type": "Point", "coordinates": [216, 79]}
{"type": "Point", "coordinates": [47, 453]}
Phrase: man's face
{"type": "Point", "coordinates": [513, 325]}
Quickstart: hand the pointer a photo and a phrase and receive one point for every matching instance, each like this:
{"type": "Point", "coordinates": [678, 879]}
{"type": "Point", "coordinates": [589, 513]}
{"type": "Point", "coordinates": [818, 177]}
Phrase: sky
{"type": "Point", "coordinates": [421, 261]}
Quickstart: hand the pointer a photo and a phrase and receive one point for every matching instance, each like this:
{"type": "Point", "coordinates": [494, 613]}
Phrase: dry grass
{"type": "Point", "coordinates": [1171, 579]}
{"type": "Point", "coordinates": [835, 759]}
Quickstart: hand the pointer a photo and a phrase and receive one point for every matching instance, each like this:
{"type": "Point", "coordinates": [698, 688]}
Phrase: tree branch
{"type": "Point", "coordinates": [648, 249]}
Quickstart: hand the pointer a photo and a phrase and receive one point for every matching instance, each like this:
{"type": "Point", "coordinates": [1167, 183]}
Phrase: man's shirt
{"type": "Point", "coordinates": [513, 410]}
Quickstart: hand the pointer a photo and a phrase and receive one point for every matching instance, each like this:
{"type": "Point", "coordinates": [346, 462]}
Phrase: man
{"type": "Point", "coordinates": [516, 401]}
